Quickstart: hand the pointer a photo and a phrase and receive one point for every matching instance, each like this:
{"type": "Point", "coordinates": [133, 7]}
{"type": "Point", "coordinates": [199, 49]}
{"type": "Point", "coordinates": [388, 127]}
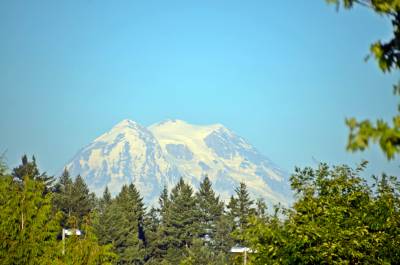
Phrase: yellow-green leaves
{"type": "Point", "coordinates": [377, 51]}
{"type": "Point", "coordinates": [387, 56]}
{"type": "Point", "coordinates": [387, 136]}
{"type": "Point", "coordinates": [337, 219]}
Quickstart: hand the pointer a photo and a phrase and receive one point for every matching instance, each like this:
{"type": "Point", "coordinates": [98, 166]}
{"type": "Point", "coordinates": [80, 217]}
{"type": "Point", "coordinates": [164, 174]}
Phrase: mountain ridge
{"type": "Point", "coordinates": [158, 155]}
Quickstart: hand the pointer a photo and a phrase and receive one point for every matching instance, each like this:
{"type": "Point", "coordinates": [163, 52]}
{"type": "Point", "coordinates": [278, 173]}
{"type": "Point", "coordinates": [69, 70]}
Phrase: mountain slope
{"type": "Point", "coordinates": [162, 153]}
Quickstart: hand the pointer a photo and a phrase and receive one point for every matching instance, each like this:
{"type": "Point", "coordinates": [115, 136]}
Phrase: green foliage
{"type": "Point", "coordinates": [81, 199]}
{"type": "Point", "coordinates": [152, 224]}
{"type": "Point", "coordinates": [29, 169]}
{"type": "Point", "coordinates": [240, 209]}
{"type": "Point", "coordinates": [361, 133]}
{"type": "Point", "coordinates": [337, 219]}
{"type": "Point", "coordinates": [30, 224]}
{"type": "Point", "coordinates": [223, 236]}
{"type": "Point", "coordinates": [189, 228]}
{"type": "Point", "coordinates": [181, 222]}
{"type": "Point", "coordinates": [115, 231]}
{"type": "Point", "coordinates": [85, 249]}
{"type": "Point", "coordinates": [159, 239]}
{"type": "Point", "coordinates": [121, 224]}
{"type": "Point", "coordinates": [3, 166]}
{"type": "Point", "coordinates": [261, 209]}
{"type": "Point", "coordinates": [210, 211]}
{"type": "Point", "coordinates": [72, 198]}
{"type": "Point", "coordinates": [201, 254]}
{"type": "Point", "coordinates": [387, 55]}
{"type": "Point", "coordinates": [106, 200]}
{"type": "Point", "coordinates": [28, 229]}
{"type": "Point", "coordinates": [62, 198]}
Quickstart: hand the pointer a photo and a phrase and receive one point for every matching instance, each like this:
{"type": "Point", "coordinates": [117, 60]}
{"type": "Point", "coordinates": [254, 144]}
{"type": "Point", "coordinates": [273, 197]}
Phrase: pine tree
{"type": "Point", "coordinates": [261, 209]}
{"type": "Point", "coordinates": [181, 224]}
{"type": "Point", "coordinates": [158, 237]}
{"type": "Point", "coordinates": [82, 200]}
{"type": "Point", "coordinates": [140, 211]}
{"type": "Point", "coordinates": [30, 169]}
{"type": "Point", "coordinates": [72, 198]}
{"type": "Point", "coordinates": [210, 211]}
{"type": "Point", "coordinates": [244, 205]}
{"type": "Point", "coordinates": [28, 229]}
{"type": "Point", "coordinates": [104, 221]}
{"type": "Point", "coordinates": [240, 209]}
{"type": "Point", "coordinates": [199, 254]}
{"type": "Point", "coordinates": [164, 203]}
{"type": "Point", "coordinates": [106, 199]}
{"type": "Point", "coordinates": [233, 211]}
{"type": "Point", "coordinates": [223, 236]}
{"type": "Point", "coordinates": [63, 196]}
{"type": "Point", "coordinates": [123, 226]}
{"type": "Point", "coordinates": [151, 224]}
{"type": "Point", "coordinates": [84, 248]}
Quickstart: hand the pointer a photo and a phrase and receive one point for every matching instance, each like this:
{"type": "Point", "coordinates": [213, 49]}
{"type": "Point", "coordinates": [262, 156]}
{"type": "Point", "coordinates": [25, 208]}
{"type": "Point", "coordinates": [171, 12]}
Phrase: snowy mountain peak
{"type": "Point", "coordinates": [125, 130]}
{"type": "Point", "coordinates": [180, 127]}
{"type": "Point", "coordinates": [127, 124]}
{"type": "Point", "coordinates": [162, 153]}
{"type": "Point", "coordinates": [172, 121]}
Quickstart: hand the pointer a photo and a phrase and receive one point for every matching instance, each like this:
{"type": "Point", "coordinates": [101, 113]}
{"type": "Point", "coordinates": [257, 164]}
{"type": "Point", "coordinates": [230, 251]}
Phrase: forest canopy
{"type": "Point", "coordinates": [336, 218]}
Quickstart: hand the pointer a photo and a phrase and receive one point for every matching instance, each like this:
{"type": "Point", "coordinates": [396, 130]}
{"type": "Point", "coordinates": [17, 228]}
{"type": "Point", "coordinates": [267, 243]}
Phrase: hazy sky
{"type": "Point", "coordinates": [282, 74]}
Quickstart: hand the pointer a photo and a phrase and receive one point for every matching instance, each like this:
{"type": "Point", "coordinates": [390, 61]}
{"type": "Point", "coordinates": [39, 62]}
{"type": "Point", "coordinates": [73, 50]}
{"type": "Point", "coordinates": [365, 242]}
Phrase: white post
{"type": "Point", "coordinates": [245, 256]}
{"type": "Point", "coordinates": [63, 241]}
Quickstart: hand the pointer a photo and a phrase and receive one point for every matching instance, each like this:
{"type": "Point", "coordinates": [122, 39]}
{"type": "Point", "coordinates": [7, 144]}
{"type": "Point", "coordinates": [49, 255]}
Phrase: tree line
{"type": "Point", "coordinates": [187, 226]}
{"type": "Point", "coordinates": [336, 218]}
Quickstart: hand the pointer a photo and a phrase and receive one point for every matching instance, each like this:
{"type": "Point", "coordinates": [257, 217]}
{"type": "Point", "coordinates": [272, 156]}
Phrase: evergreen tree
{"type": "Point", "coordinates": [63, 196]}
{"type": "Point", "coordinates": [210, 211]}
{"type": "Point", "coordinates": [261, 209]}
{"type": "Point", "coordinates": [152, 225]}
{"type": "Point", "coordinates": [240, 209]}
{"type": "Point", "coordinates": [183, 219]}
{"type": "Point", "coordinates": [104, 221]}
{"type": "Point", "coordinates": [73, 198]}
{"type": "Point", "coordinates": [82, 200]}
{"type": "Point", "coordinates": [159, 238]}
{"type": "Point", "coordinates": [30, 169]}
{"type": "Point", "coordinates": [122, 225]}
{"type": "Point", "coordinates": [233, 209]}
{"type": "Point", "coordinates": [28, 229]}
{"type": "Point", "coordinates": [244, 205]}
{"type": "Point", "coordinates": [164, 203]}
{"type": "Point", "coordinates": [180, 222]}
{"type": "Point", "coordinates": [106, 199]}
{"type": "Point", "coordinates": [223, 236]}
{"type": "Point", "coordinates": [84, 248]}
{"type": "Point", "coordinates": [199, 254]}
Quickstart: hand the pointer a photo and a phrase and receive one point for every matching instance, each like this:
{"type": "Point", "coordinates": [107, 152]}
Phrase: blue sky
{"type": "Point", "coordinates": [282, 74]}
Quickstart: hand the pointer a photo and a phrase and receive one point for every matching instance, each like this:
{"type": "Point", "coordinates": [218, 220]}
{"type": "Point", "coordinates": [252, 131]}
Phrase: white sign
{"type": "Point", "coordinates": [70, 232]}
{"type": "Point", "coordinates": [240, 249]}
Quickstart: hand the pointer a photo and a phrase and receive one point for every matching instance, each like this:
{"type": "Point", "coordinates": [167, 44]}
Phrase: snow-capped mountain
{"type": "Point", "coordinates": [162, 153]}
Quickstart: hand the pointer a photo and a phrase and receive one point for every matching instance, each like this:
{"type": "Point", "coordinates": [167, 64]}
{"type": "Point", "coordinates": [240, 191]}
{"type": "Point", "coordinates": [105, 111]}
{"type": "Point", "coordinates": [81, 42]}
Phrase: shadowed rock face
{"type": "Point", "coordinates": [227, 145]}
{"type": "Point", "coordinates": [160, 154]}
{"type": "Point", "coordinates": [179, 151]}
